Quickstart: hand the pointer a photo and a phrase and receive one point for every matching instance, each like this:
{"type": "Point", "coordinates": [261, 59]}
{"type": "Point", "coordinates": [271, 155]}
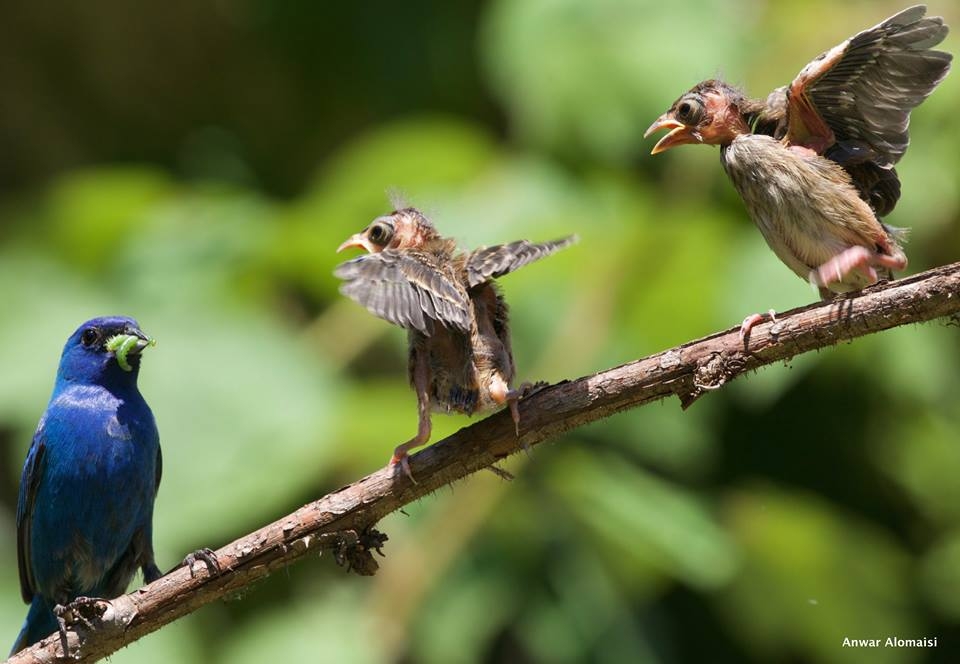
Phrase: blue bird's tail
{"type": "Point", "coordinates": [40, 623]}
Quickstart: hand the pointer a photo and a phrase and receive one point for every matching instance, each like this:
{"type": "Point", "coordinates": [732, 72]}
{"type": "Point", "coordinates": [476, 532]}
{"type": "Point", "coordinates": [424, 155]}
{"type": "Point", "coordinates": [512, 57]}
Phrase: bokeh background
{"type": "Point", "coordinates": [195, 164]}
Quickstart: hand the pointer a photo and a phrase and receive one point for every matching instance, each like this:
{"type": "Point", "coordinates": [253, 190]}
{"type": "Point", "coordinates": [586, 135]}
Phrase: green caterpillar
{"type": "Point", "coordinates": [121, 344]}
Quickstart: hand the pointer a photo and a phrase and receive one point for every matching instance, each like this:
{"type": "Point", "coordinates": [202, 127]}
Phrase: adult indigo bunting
{"type": "Point", "coordinates": [457, 320]}
{"type": "Point", "coordinates": [84, 516]}
{"type": "Point", "coordinates": [814, 162]}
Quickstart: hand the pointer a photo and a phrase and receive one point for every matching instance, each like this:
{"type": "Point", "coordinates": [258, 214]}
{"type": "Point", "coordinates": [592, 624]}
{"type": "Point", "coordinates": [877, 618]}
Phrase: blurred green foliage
{"type": "Point", "coordinates": [195, 165]}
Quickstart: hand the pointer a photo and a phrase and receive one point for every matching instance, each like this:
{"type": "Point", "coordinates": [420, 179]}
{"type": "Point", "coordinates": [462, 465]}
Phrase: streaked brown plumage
{"type": "Point", "coordinates": [457, 321]}
{"type": "Point", "coordinates": [814, 162]}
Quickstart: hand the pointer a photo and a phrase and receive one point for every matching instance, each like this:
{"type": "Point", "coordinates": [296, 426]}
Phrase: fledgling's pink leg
{"type": "Point", "coordinates": [513, 396]}
{"type": "Point", "coordinates": [752, 320]}
{"type": "Point", "coordinates": [859, 259]}
{"type": "Point", "coordinates": [400, 454]}
{"type": "Point", "coordinates": [421, 383]}
{"type": "Point", "coordinates": [501, 393]}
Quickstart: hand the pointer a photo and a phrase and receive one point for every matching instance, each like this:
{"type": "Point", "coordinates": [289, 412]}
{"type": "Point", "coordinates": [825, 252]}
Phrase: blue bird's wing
{"type": "Point", "coordinates": [156, 487]}
{"type": "Point", "coordinates": [32, 472]}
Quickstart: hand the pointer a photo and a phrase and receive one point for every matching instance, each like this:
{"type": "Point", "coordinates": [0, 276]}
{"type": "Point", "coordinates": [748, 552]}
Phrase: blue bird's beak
{"type": "Point", "coordinates": [132, 342]}
{"type": "Point", "coordinates": [142, 340]}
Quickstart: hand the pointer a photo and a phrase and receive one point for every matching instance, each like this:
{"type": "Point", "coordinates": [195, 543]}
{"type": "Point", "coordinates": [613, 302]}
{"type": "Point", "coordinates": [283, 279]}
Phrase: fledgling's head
{"type": "Point", "coordinates": [401, 229]}
{"type": "Point", "coordinates": [709, 113]}
{"type": "Point", "coordinates": [104, 351]}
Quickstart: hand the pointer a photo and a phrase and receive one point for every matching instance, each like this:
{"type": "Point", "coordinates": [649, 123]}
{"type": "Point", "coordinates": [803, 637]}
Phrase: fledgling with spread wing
{"type": "Point", "coordinates": [814, 162]}
{"type": "Point", "coordinates": [457, 320]}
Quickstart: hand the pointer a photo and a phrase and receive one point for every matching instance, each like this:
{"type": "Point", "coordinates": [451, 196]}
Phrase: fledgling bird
{"type": "Point", "coordinates": [457, 321]}
{"type": "Point", "coordinates": [814, 162]}
{"type": "Point", "coordinates": [85, 510]}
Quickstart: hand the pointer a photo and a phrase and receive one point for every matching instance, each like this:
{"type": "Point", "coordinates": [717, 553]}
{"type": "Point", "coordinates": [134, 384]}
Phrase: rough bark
{"type": "Point", "coordinates": [343, 520]}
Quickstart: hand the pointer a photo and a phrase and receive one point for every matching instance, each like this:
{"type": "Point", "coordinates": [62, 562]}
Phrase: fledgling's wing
{"type": "Point", "coordinates": [32, 471]}
{"type": "Point", "coordinates": [853, 102]}
{"type": "Point", "coordinates": [489, 263]}
{"type": "Point", "coordinates": [406, 290]}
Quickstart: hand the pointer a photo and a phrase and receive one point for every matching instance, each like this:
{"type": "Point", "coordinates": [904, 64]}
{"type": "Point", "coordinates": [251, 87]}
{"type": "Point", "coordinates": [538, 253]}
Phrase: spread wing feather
{"type": "Point", "coordinates": [406, 290]}
{"type": "Point", "coordinates": [489, 263]}
{"type": "Point", "coordinates": [854, 101]}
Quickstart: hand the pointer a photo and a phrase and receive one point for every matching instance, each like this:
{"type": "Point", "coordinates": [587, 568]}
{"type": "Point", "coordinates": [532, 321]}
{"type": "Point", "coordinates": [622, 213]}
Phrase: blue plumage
{"type": "Point", "coordinates": [85, 512]}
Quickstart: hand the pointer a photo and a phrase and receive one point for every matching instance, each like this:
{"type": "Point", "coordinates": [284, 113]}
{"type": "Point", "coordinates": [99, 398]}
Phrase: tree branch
{"type": "Point", "coordinates": [343, 520]}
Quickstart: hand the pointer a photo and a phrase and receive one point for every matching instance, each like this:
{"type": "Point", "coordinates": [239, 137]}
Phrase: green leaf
{"type": "Point", "coordinates": [646, 521]}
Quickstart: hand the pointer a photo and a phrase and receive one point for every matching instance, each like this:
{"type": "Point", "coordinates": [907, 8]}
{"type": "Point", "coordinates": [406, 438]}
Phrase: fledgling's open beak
{"type": "Point", "coordinates": [357, 240]}
{"type": "Point", "coordinates": [680, 134]}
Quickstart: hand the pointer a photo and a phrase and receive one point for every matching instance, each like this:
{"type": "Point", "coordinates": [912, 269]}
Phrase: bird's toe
{"type": "Point", "coordinates": [205, 555]}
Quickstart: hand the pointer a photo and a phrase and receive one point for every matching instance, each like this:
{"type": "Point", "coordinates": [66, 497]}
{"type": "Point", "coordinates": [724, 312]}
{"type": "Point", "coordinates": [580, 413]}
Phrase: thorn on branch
{"type": "Point", "coordinates": [505, 474]}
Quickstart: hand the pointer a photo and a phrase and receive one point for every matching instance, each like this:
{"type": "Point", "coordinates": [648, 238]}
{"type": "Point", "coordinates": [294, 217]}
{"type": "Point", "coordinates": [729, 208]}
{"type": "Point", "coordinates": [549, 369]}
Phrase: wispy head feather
{"type": "Point", "coordinates": [397, 198]}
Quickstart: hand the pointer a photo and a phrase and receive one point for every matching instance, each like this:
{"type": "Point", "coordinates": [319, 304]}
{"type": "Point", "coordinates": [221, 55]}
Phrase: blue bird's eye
{"type": "Point", "coordinates": [89, 337]}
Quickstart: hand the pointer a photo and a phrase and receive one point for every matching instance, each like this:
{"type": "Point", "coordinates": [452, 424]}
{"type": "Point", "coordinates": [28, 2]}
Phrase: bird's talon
{"type": "Point", "coordinates": [205, 555]}
{"type": "Point", "coordinates": [513, 397]}
{"type": "Point", "coordinates": [78, 611]}
{"type": "Point", "coordinates": [401, 458]}
{"type": "Point", "coordinates": [58, 612]}
{"type": "Point", "coordinates": [748, 323]}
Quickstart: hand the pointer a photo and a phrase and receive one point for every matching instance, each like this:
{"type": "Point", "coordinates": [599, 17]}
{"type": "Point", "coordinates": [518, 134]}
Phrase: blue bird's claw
{"type": "Point", "coordinates": [205, 555]}
{"type": "Point", "coordinates": [81, 610]}
{"type": "Point", "coordinates": [58, 611]}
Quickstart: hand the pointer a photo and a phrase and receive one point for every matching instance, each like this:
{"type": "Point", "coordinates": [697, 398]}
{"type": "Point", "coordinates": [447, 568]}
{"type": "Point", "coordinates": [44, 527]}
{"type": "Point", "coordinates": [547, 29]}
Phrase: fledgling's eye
{"type": "Point", "coordinates": [89, 337]}
{"type": "Point", "coordinates": [690, 111]}
{"type": "Point", "coordinates": [380, 234]}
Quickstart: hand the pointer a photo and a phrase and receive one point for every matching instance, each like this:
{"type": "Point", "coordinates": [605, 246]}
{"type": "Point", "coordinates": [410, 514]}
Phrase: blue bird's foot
{"type": "Point", "coordinates": [81, 610]}
{"type": "Point", "coordinates": [207, 556]}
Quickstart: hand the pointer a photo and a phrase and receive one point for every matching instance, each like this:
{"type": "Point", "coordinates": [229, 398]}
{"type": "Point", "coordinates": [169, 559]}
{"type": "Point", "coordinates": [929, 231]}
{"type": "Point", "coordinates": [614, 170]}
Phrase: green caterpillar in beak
{"type": "Point", "coordinates": [122, 344]}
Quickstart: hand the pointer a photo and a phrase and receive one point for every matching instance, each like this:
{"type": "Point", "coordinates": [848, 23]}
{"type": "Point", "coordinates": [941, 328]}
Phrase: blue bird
{"type": "Point", "coordinates": [85, 511]}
